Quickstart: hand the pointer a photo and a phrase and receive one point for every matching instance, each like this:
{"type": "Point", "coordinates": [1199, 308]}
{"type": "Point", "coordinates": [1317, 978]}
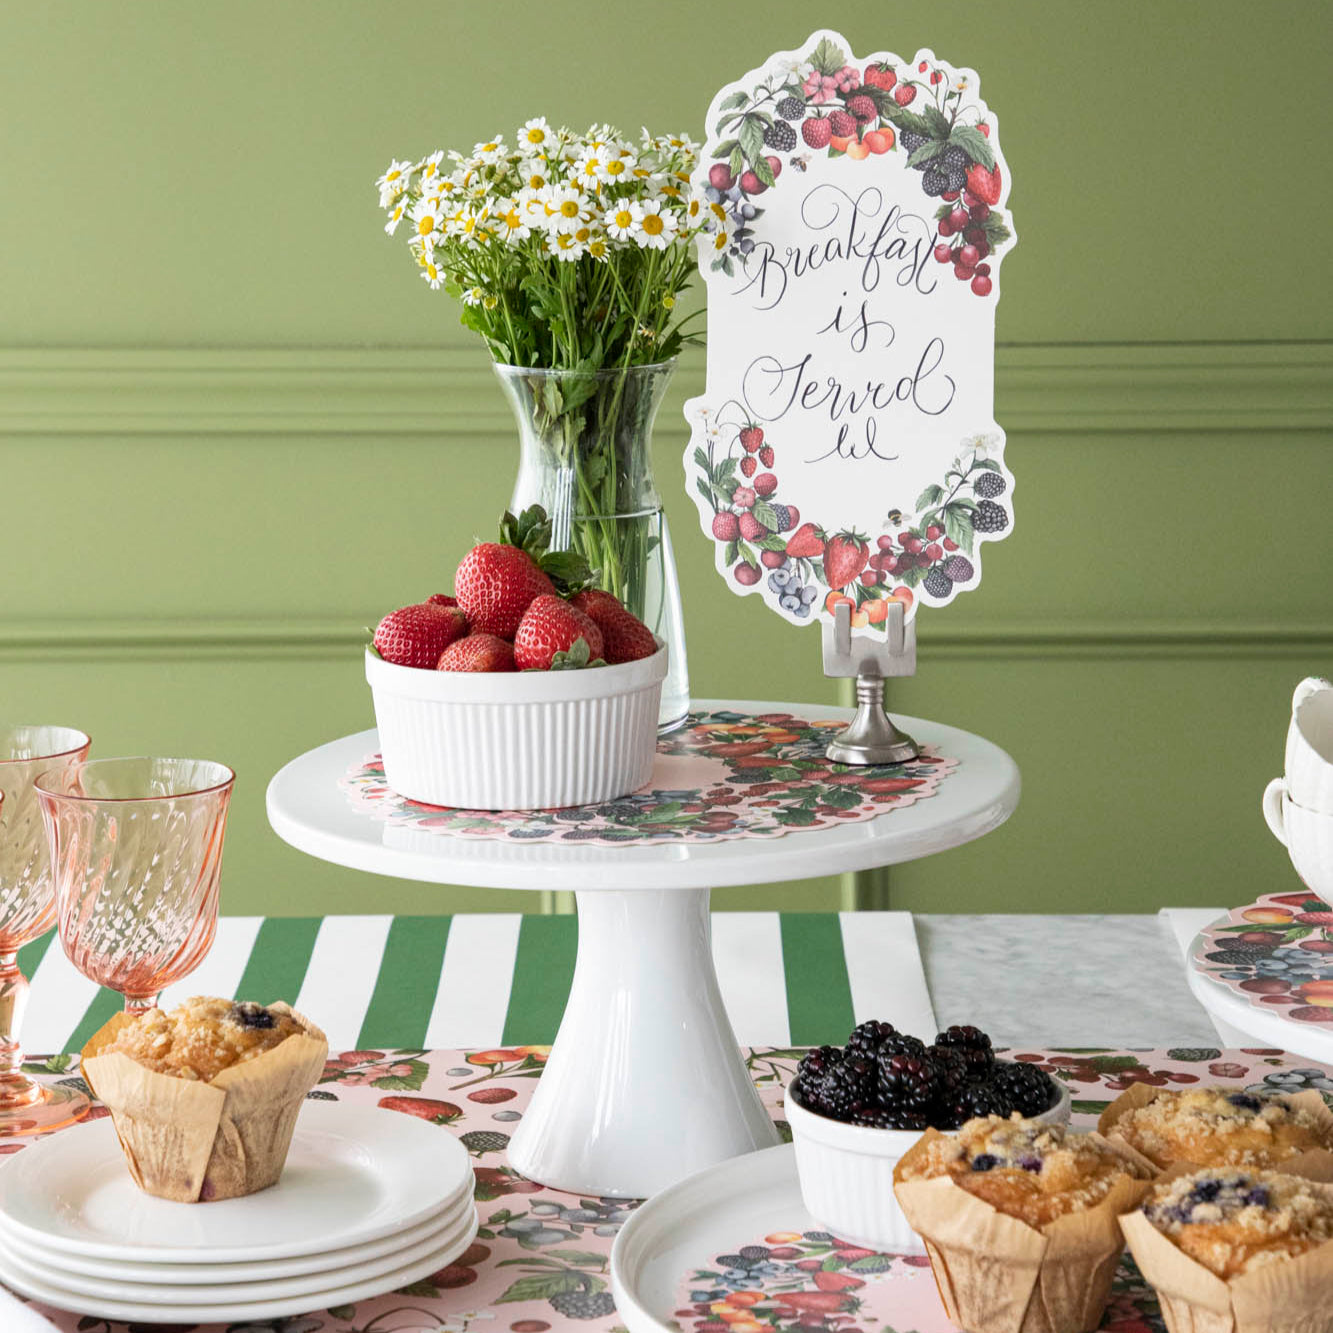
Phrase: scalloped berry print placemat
{"type": "Point", "coordinates": [723, 775]}
{"type": "Point", "coordinates": [1276, 953]}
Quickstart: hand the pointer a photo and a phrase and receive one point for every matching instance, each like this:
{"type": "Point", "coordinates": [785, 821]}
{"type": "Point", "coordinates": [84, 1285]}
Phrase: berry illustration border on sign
{"type": "Point", "coordinates": [845, 448]}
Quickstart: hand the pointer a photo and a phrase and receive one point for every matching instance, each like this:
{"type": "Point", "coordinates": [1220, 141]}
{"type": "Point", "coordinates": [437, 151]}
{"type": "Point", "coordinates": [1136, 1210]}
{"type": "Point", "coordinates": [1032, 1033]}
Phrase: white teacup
{"type": "Point", "coordinates": [1306, 834]}
{"type": "Point", "coordinates": [1310, 745]}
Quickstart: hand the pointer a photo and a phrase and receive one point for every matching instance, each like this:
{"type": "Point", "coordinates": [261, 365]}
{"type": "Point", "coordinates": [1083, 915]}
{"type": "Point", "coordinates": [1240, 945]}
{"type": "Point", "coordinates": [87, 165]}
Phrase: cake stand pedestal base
{"type": "Point", "coordinates": [645, 1083]}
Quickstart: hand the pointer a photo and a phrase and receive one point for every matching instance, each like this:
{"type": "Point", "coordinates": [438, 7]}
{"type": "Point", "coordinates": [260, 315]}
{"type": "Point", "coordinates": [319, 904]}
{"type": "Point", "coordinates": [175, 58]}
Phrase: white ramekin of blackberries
{"type": "Point", "coordinates": [855, 1110]}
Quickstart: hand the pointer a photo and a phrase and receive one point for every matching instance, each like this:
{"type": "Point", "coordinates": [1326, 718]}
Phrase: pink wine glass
{"type": "Point", "coordinates": [27, 910]}
{"type": "Point", "coordinates": [136, 850]}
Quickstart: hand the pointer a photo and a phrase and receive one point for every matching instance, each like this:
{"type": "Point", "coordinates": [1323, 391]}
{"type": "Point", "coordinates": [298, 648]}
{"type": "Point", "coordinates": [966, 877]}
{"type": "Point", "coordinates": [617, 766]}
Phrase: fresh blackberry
{"type": "Point", "coordinates": [816, 1063]}
{"type": "Point", "coordinates": [868, 1037]}
{"type": "Point", "coordinates": [780, 136]}
{"type": "Point", "coordinates": [978, 1099]}
{"type": "Point", "coordinates": [990, 517]}
{"type": "Point", "coordinates": [955, 159]}
{"type": "Point", "coordinates": [951, 1066]}
{"type": "Point", "coordinates": [916, 1120]}
{"type": "Point", "coordinates": [479, 1141]}
{"type": "Point", "coordinates": [851, 1085]}
{"type": "Point", "coordinates": [908, 1083]}
{"type": "Point", "coordinates": [990, 484]}
{"type": "Point", "coordinates": [583, 1304]}
{"type": "Point", "coordinates": [901, 1043]}
{"type": "Point", "coordinates": [911, 141]}
{"type": "Point", "coordinates": [1026, 1088]}
{"type": "Point", "coordinates": [973, 1045]}
{"type": "Point", "coordinates": [958, 568]}
{"type": "Point", "coordinates": [791, 108]}
{"type": "Point", "coordinates": [933, 181]}
{"type": "Point", "coordinates": [937, 583]}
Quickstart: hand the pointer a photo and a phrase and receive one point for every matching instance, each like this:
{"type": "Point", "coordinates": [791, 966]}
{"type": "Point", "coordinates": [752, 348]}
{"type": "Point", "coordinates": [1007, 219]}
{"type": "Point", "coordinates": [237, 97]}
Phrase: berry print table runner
{"type": "Point", "coordinates": [722, 776]}
{"type": "Point", "coordinates": [1275, 953]}
{"type": "Point", "coordinates": [540, 1260]}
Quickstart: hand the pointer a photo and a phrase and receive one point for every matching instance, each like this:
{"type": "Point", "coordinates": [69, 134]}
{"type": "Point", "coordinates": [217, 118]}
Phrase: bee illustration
{"type": "Point", "coordinates": [801, 161]}
{"type": "Point", "coordinates": [894, 516]}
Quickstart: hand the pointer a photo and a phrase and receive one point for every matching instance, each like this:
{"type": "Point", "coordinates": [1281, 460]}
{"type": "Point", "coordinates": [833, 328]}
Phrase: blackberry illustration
{"type": "Point", "coordinates": [583, 1304]}
{"type": "Point", "coordinates": [867, 1038]}
{"type": "Point", "coordinates": [938, 583]}
{"type": "Point", "coordinates": [780, 136]}
{"type": "Point", "coordinates": [479, 1141]}
{"type": "Point", "coordinates": [1235, 954]}
{"type": "Point", "coordinates": [990, 484]}
{"type": "Point", "coordinates": [791, 108]}
{"type": "Point", "coordinates": [955, 178]}
{"type": "Point", "coordinates": [1024, 1087]}
{"type": "Point", "coordinates": [955, 159]}
{"type": "Point", "coordinates": [958, 568]}
{"type": "Point", "coordinates": [990, 517]}
{"type": "Point", "coordinates": [911, 141]}
{"type": "Point", "coordinates": [755, 1253]}
{"type": "Point", "coordinates": [934, 182]}
{"type": "Point", "coordinates": [908, 1083]}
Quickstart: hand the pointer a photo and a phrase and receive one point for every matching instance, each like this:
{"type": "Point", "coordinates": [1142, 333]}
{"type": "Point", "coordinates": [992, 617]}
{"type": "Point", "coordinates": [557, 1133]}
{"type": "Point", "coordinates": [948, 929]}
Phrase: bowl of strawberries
{"type": "Point", "coordinates": [529, 688]}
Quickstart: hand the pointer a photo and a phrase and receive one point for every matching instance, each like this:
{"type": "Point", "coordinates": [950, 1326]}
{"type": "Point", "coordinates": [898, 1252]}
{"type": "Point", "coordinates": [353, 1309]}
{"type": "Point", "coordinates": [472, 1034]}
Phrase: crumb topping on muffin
{"type": "Point", "coordinates": [1235, 1221]}
{"type": "Point", "coordinates": [202, 1037]}
{"type": "Point", "coordinates": [1220, 1127]}
{"type": "Point", "coordinates": [1029, 1170]}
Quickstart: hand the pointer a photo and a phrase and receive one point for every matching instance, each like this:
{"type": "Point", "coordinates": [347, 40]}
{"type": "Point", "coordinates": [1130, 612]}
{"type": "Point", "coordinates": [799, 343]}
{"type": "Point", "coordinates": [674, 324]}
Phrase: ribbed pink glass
{"type": "Point", "coordinates": [27, 910]}
{"type": "Point", "coordinates": [136, 848]}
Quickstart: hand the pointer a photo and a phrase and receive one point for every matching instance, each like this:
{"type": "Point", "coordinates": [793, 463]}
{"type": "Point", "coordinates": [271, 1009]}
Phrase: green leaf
{"type": "Point", "coordinates": [752, 141]}
{"type": "Point", "coordinates": [932, 495]}
{"type": "Point", "coordinates": [576, 657]}
{"type": "Point", "coordinates": [832, 1264]}
{"type": "Point", "coordinates": [408, 1082]}
{"type": "Point", "coordinates": [931, 148]}
{"type": "Point", "coordinates": [581, 1257]}
{"type": "Point", "coordinates": [701, 458]}
{"type": "Point", "coordinates": [732, 551]}
{"type": "Point", "coordinates": [542, 1286]}
{"type": "Point", "coordinates": [907, 120]}
{"type": "Point", "coordinates": [996, 232]}
{"type": "Point", "coordinates": [828, 57]}
{"type": "Point", "coordinates": [773, 542]}
{"type": "Point", "coordinates": [725, 148]}
{"type": "Point", "coordinates": [764, 171]}
{"type": "Point", "coordinates": [1088, 1108]}
{"type": "Point", "coordinates": [937, 123]}
{"type": "Point", "coordinates": [872, 1263]}
{"type": "Point", "coordinates": [763, 512]}
{"type": "Point", "coordinates": [985, 465]}
{"type": "Point", "coordinates": [737, 99]}
{"type": "Point", "coordinates": [568, 570]}
{"type": "Point", "coordinates": [423, 1288]}
{"type": "Point", "coordinates": [704, 489]}
{"type": "Point", "coordinates": [842, 798]}
{"type": "Point", "coordinates": [974, 144]}
{"type": "Point", "coordinates": [958, 527]}
{"type": "Point", "coordinates": [736, 163]}
{"type": "Point", "coordinates": [796, 816]}
{"type": "Point", "coordinates": [912, 576]}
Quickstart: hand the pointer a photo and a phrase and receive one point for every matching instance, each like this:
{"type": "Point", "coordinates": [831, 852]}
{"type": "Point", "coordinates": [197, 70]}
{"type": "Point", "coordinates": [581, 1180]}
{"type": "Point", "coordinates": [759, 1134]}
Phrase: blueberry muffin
{"type": "Point", "coordinates": [205, 1098]}
{"type": "Point", "coordinates": [1020, 1220]}
{"type": "Point", "coordinates": [1220, 1127]}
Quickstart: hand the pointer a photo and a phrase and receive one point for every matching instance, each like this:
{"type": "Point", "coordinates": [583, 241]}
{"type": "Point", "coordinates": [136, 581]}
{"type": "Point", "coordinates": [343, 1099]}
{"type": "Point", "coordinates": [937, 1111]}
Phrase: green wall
{"type": "Point", "coordinates": [235, 427]}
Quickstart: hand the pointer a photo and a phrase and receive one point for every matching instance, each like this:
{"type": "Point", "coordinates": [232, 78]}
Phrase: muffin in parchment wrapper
{"type": "Point", "coordinates": [1289, 1296]}
{"type": "Point", "coordinates": [997, 1274]}
{"type": "Point", "coordinates": [1313, 1164]}
{"type": "Point", "coordinates": [192, 1141]}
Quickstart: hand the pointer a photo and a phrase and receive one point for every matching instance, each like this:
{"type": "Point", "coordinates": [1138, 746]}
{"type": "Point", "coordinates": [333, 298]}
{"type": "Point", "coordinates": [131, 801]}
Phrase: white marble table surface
{"type": "Point", "coordinates": [1064, 980]}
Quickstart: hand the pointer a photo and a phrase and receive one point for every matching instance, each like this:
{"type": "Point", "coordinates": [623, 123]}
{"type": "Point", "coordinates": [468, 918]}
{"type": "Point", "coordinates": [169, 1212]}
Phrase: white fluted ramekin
{"type": "Point", "coordinates": [846, 1174]}
{"type": "Point", "coordinates": [526, 740]}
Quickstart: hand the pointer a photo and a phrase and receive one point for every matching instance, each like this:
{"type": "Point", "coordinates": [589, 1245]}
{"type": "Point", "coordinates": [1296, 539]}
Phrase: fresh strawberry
{"type": "Point", "coordinates": [986, 185]}
{"type": "Point", "coordinates": [806, 541]}
{"type": "Point", "coordinates": [766, 455]}
{"type": "Point", "coordinates": [751, 438]}
{"type": "Point", "coordinates": [817, 132]}
{"type": "Point", "coordinates": [415, 636]}
{"type": "Point", "coordinates": [625, 638]}
{"type": "Point", "coordinates": [478, 652]}
{"type": "Point", "coordinates": [880, 76]}
{"type": "Point", "coordinates": [749, 465]}
{"type": "Point", "coordinates": [441, 599]}
{"type": "Point", "coordinates": [844, 558]}
{"type": "Point", "coordinates": [549, 633]}
{"type": "Point", "coordinates": [726, 528]}
{"type": "Point", "coordinates": [904, 93]}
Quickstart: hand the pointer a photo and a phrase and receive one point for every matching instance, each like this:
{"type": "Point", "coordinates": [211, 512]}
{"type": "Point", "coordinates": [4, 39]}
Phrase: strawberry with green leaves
{"type": "Point", "coordinates": [806, 542]}
{"type": "Point", "coordinates": [553, 635]}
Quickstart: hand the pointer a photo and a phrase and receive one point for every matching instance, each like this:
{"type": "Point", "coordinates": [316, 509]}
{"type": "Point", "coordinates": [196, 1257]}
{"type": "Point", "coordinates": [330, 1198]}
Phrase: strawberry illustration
{"type": "Point", "coordinates": [478, 652]}
{"type": "Point", "coordinates": [904, 93]}
{"type": "Point", "coordinates": [548, 635]}
{"type": "Point", "coordinates": [495, 585]}
{"type": "Point", "coordinates": [625, 638]}
{"type": "Point", "coordinates": [806, 541]}
{"type": "Point", "coordinates": [751, 438]}
{"type": "Point", "coordinates": [863, 107]}
{"type": "Point", "coordinates": [752, 529]}
{"type": "Point", "coordinates": [816, 131]}
{"type": "Point", "coordinates": [842, 124]}
{"type": "Point", "coordinates": [880, 75]}
{"type": "Point", "coordinates": [765, 484]}
{"type": "Point", "coordinates": [749, 466]}
{"type": "Point", "coordinates": [726, 527]}
{"type": "Point", "coordinates": [766, 455]}
{"type": "Point", "coordinates": [415, 636]}
{"type": "Point", "coordinates": [984, 184]}
{"type": "Point", "coordinates": [844, 558]}
{"type": "Point", "coordinates": [424, 1108]}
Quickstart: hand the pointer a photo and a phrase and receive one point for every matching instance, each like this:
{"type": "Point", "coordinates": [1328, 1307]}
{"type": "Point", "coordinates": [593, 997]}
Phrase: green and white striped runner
{"type": "Point", "coordinates": [497, 979]}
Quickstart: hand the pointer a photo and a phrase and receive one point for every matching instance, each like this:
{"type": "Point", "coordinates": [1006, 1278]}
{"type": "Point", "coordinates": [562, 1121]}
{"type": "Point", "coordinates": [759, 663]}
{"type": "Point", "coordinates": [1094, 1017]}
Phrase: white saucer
{"type": "Point", "coordinates": [354, 1174]}
{"type": "Point", "coordinates": [164, 1313]}
{"type": "Point", "coordinates": [197, 1282]}
{"type": "Point", "coordinates": [681, 1228]}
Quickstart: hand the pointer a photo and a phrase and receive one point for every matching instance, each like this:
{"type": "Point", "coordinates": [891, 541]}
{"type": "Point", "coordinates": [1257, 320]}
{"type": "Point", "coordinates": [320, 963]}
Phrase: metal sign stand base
{"type": "Point", "coordinates": [871, 738]}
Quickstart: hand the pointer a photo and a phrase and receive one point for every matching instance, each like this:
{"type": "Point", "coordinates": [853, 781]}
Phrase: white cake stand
{"type": "Point", "coordinates": [645, 1083]}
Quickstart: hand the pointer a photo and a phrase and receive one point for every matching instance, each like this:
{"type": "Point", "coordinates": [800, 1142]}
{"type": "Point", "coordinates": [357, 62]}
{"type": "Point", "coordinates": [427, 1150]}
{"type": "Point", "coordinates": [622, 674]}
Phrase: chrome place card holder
{"type": "Point", "coordinates": [871, 737]}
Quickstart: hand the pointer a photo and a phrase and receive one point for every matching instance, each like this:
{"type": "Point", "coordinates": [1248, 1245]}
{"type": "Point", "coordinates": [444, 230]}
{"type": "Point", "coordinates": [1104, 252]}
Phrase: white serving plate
{"type": "Point", "coordinates": [354, 1174]}
{"type": "Point", "coordinates": [170, 1309]}
{"type": "Point", "coordinates": [79, 1273]}
{"type": "Point", "coordinates": [688, 1223]}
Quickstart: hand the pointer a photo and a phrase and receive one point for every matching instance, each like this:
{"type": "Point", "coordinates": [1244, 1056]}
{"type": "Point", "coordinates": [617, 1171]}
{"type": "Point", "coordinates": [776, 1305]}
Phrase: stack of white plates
{"type": "Point", "coordinates": [370, 1201]}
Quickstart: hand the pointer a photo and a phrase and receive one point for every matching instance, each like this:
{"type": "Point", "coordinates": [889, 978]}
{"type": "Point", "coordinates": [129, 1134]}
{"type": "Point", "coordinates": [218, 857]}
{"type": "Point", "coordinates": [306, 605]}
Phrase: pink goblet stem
{"type": "Point", "coordinates": [16, 1088]}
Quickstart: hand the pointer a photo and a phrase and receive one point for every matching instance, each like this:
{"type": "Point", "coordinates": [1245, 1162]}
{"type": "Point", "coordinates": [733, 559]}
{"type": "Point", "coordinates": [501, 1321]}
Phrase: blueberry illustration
{"type": "Point", "coordinates": [789, 602]}
{"type": "Point", "coordinates": [809, 593]}
{"type": "Point", "coordinates": [778, 580]}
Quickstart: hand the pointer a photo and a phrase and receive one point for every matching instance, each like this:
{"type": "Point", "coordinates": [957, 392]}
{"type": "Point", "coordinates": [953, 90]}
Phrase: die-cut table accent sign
{"type": "Point", "coordinates": [845, 450]}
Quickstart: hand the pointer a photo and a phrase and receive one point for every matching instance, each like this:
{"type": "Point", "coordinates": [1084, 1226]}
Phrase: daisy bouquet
{"type": "Point", "coordinates": [567, 252]}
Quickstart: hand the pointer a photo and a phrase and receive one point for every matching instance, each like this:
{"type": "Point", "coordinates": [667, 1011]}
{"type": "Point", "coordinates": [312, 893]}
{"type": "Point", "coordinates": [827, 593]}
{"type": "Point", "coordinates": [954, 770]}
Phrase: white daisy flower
{"type": "Point", "coordinates": [513, 221]}
{"type": "Point", "coordinates": [433, 273]}
{"type": "Point", "coordinates": [534, 173]}
{"type": "Point", "coordinates": [535, 134]}
{"type": "Point", "coordinates": [566, 248]}
{"type": "Point", "coordinates": [474, 296]}
{"type": "Point", "coordinates": [393, 182]}
{"type": "Point", "coordinates": [427, 222]}
{"type": "Point", "coordinates": [489, 152]}
{"type": "Point", "coordinates": [590, 170]}
{"type": "Point", "coordinates": [598, 247]}
{"type": "Point", "coordinates": [654, 228]}
{"type": "Point", "coordinates": [619, 220]}
{"type": "Point", "coordinates": [619, 164]}
{"type": "Point", "coordinates": [430, 166]}
{"type": "Point", "coordinates": [567, 207]}
{"type": "Point", "coordinates": [395, 216]}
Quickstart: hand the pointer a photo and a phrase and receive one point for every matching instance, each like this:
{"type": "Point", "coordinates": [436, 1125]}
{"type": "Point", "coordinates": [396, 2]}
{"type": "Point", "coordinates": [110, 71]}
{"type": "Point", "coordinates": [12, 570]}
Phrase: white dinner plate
{"type": "Point", "coordinates": [232, 1292]}
{"type": "Point", "coordinates": [166, 1311]}
{"type": "Point", "coordinates": [684, 1226]}
{"type": "Point", "coordinates": [72, 1270]}
{"type": "Point", "coordinates": [354, 1174]}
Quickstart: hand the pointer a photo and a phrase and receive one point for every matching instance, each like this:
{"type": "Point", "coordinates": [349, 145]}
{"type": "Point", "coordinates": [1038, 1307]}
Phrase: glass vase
{"type": "Point", "coordinates": [585, 456]}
